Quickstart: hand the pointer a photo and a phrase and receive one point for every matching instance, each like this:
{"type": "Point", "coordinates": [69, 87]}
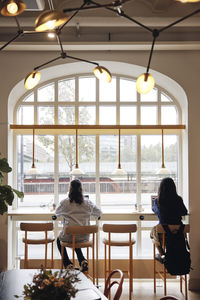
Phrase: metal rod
{"type": "Point", "coordinates": [48, 62]}
{"type": "Point", "coordinates": [122, 14]}
{"type": "Point", "coordinates": [180, 20]}
{"type": "Point", "coordinates": [150, 55]}
{"type": "Point", "coordinates": [77, 10]}
{"type": "Point", "coordinates": [10, 41]}
{"type": "Point", "coordinates": [84, 60]}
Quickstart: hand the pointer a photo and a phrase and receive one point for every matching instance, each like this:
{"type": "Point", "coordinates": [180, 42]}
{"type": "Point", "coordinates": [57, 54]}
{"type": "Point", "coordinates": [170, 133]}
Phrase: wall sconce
{"type": "Point", "coordinates": [33, 170]}
{"type": "Point", "coordinates": [163, 170]}
{"type": "Point", "coordinates": [119, 171]}
{"type": "Point", "coordinates": [77, 170]}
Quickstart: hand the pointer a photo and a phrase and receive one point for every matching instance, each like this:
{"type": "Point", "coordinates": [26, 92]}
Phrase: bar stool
{"type": "Point", "coordinates": [37, 227]}
{"type": "Point", "coordinates": [125, 229]}
{"type": "Point", "coordinates": [81, 230]}
{"type": "Point", "coordinates": [163, 272]}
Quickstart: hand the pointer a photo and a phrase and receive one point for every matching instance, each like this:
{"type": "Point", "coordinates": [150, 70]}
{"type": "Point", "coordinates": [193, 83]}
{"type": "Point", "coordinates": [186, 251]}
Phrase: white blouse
{"type": "Point", "coordinates": [75, 214]}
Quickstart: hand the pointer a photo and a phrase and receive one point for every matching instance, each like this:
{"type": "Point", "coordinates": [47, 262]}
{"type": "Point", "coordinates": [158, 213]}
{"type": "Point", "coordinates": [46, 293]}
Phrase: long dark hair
{"type": "Point", "coordinates": [76, 191]}
{"type": "Point", "coordinates": [167, 194]}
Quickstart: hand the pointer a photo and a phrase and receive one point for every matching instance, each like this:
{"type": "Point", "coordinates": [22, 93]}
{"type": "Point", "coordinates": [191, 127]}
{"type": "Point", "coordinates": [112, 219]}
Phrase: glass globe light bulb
{"type": "Point", "coordinates": [12, 8]}
{"type": "Point", "coordinates": [145, 83]}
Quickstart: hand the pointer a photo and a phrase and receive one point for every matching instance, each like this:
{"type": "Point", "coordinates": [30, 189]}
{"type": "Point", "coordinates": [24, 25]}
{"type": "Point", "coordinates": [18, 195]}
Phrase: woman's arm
{"type": "Point", "coordinates": [95, 210]}
{"type": "Point", "coordinates": [60, 210]}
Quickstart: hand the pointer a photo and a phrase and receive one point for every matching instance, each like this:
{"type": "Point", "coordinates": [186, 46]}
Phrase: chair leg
{"type": "Point", "coordinates": [62, 251]}
{"type": "Point", "coordinates": [52, 262]}
{"type": "Point", "coordinates": [186, 290]}
{"type": "Point", "coordinates": [26, 256]}
{"type": "Point", "coordinates": [105, 262]}
{"type": "Point", "coordinates": [165, 281]}
{"type": "Point", "coordinates": [154, 268]}
{"type": "Point", "coordinates": [130, 271]}
{"type": "Point", "coordinates": [181, 281]}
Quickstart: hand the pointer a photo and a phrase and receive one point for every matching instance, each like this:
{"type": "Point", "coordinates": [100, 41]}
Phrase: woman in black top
{"type": "Point", "coordinates": [169, 207]}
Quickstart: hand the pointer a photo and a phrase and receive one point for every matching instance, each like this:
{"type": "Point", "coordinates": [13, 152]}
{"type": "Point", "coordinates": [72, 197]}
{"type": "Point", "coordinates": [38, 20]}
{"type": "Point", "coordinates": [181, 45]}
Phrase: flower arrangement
{"type": "Point", "coordinates": [47, 285]}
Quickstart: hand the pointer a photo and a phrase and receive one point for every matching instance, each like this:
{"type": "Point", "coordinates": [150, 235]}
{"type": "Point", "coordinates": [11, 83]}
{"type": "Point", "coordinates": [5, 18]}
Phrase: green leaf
{"type": "Point", "coordinates": [3, 207]}
{"type": "Point", "coordinates": [4, 166]}
{"type": "Point", "coordinates": [18, 193]}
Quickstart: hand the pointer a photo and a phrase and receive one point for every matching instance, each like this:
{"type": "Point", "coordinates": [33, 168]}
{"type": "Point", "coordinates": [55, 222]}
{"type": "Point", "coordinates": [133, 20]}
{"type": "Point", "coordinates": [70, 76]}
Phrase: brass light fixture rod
{"type": "Point", "coordinates": [119, 154]}
{"type": "Point", "coordinates": [33, 162]}
{"type": "Point", "coordinates": [76, 148]}
{"type": "Point", "coordinates": [163, 164]}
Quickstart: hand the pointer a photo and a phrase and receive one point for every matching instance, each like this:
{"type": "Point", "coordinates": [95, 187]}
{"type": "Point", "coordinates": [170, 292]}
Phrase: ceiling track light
{"type": "Point", "coordinates": [163, 170]}
{"type": "Point", "coordinates": [11, 8]}
{"type": "Point", "coordinates": [119, 171]}
{"type": "Point", "coordinates": [77, 170]}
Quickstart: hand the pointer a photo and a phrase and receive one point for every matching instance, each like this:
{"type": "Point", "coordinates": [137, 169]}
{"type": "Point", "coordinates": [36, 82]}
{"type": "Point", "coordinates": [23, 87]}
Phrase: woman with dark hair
{"type": "Point", "coordinates": [76, 211]}
{"type": "Point", "coordinates": [169, 207]}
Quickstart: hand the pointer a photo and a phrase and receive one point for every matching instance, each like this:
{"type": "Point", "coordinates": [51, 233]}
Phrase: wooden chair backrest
{"type": "Point", "coordinates": [160, 229]}
{"type": "Point", "coordinates": [119, 228]}
{"type": "Point", "coordinates": [119, 281]}
{"type": "Point", "coordinates": [81, 229]}
{"type": "Point", "coordinates": [36, 226]}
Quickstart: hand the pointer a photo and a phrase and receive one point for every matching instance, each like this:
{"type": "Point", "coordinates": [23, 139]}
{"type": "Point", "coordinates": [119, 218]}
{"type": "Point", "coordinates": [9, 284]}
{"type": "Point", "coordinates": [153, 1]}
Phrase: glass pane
{"type": "Point", "coordinates": [151, 153]}
{"type": "Point", "coordinates": [150, 163]}
{"type": "Point", "coordinates": [168, 115]}
{"type": "Point", "coordinates": [165, 98]}
{"type": "Point", "coordinates": [87, 157]}
{"type": "Point", "coordinates": [25, 115]}
{"type": "Point", "coordinates": [87, 115]}
{"type": "Point", "coordinates": [66, 115]}
{"type": "Point", "coordinates": [128, 90]}
{"type": "Point", "coordinates": [107, 115]}
{"type": "Point", "coordinates": [151, 96]}
{"type": "Point", "coordinates": [107, 91]}
{"type": "Point", "coordinates": [66, 90]}
{"type": "Point", "coordinates": [87, 89]}
{"type": "Point", "coordinates": [118, 192]}
{"type": "Point", "coordinates": [46, 93]}
{"type": "Point", "coordinates": [45, 115]}
{"type": "Point", "coordinates": [38, 188]}
{"type": "Point", "coordinates": [128, 115]}
{"type": "Point", "coordinates": [29, 98]}
{"type": "Point", "coordinates": [146, 244]}
{"type": "Point", "coordinates": [148, 115]}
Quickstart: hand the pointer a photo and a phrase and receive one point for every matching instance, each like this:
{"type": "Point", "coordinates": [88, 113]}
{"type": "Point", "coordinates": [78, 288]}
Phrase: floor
{"type": "Point", "coordinates": [143, 290]}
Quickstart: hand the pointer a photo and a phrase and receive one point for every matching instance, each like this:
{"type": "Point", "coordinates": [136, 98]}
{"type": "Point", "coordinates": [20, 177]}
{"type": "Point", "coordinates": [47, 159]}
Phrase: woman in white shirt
{"type": "Point", "coordinates": [76, 210]}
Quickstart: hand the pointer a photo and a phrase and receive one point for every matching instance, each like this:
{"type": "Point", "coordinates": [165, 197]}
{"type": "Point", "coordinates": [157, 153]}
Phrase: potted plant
{"type": "Point", "coordinates": [6, 191]}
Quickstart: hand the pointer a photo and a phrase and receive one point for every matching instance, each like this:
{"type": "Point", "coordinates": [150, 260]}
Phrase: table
{"type": "Point", "coordinates": [12, 282]}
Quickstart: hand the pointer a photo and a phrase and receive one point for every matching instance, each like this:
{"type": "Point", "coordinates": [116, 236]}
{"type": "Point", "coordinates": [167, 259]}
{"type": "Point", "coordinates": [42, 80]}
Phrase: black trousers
{"type": "Point", "coordinates": [66, 260]}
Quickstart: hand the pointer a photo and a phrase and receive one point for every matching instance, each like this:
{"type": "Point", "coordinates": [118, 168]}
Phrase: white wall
{"type": "Point", "coordinates": [183, 67]}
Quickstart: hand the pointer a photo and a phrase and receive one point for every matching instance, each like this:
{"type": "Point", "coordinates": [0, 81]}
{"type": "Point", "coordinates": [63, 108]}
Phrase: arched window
{"type": "Point", "coordinates": [80, 99]}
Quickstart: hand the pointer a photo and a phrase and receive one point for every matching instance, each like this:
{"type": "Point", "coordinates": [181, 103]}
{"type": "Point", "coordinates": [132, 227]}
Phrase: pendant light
{"type": "Point", "coordinates": [119, 171]}
{"type": "Point", "coordinates": [49, 20]}
{"type": "Point", "coordinates": [163, 170]}
{"type": "Point", "coordinates": [10, 8]}
{"type": "Point", "coordinates": [76, 171]}
{"type": "Point", "coordinates": [32, 79]}
{"type": "Point", "coordinates": [102, 73]}
{"type": "Point", "coordinates": [33, 169]}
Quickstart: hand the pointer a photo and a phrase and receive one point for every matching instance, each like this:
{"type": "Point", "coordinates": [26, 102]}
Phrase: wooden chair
{"type": "Point", "coordinates": [81, 230]}
{"type": "Point", "coordinates": [119, 281]}
{"type": "Point", "coordinates": [163, 272]}
{"type": "Point", "coordinates": [37, 227]}
{"type": "Point", "coordinates": [122, 229]}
